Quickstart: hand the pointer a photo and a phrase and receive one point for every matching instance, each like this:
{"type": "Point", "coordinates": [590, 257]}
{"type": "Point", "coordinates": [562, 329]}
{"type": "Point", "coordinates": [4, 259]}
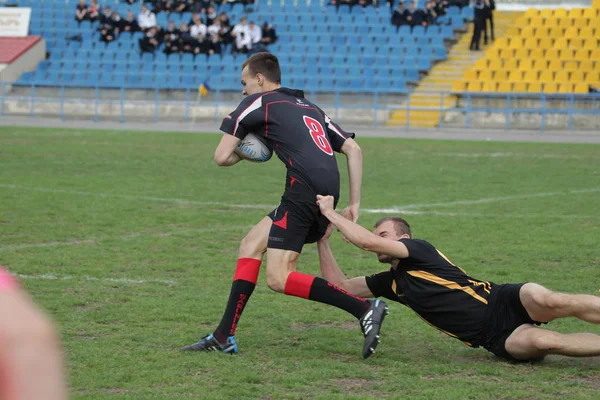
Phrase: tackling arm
{"type": "Point", "coordinates": [225, 154]}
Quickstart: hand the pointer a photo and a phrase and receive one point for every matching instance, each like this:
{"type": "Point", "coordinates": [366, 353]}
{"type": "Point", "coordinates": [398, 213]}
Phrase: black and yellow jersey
{"type": "Point", "coordinates": [437, 290]}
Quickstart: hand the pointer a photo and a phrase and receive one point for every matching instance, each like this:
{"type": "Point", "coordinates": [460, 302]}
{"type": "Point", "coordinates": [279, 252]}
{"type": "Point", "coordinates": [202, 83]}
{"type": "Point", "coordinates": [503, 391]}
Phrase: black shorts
{"type": "Point", "coordinates": [297, 220]}
{"type": "Point", "coordinates": [505, 314]}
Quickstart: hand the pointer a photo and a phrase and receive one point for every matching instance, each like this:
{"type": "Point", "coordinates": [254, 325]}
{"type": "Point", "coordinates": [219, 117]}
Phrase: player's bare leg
{"type": "Point", "coordinates": [545, 305]}
{"type": "Point", "coordinates": [283, 278]}
{"type": "Point", "coordinates": [252, 248]}
{"type": "Point", "coordinates": [31, 365]}
{"type": "Point", "coordinates": [528, 342]}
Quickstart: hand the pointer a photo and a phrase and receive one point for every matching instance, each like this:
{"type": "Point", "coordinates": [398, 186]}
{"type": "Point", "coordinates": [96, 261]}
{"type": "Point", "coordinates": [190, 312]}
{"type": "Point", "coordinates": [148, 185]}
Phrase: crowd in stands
{"type": "Point", "coordinates": [412, 16]}
{"type": "Point", "coordinates": [208, 32]}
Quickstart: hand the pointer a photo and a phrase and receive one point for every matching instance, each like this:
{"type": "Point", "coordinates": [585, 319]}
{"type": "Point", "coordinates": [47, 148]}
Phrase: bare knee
{"type": "Point", "coordinates": [543, 304]}
{"type": "Point", "coordinates": [276, 282]}
{"type": "Point", "coordinates": [252, 246]}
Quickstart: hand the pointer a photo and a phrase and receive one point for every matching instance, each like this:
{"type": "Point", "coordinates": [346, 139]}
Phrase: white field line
{"type": "Point", "coordinates": [124, 237]}
{"type": "Point", "coordinates": [487, 215]}
{"type": "Point", "coordinates": [396, 209]}
{"type": "Point", "coordinates": [91, 278]}
{"type": "Point", "coordinates": [137, 197]}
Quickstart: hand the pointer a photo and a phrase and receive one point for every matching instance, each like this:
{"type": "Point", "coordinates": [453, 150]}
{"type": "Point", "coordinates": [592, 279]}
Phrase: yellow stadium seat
{"type": "Point", "coordinates": [586, 33]}
{"type": "Point", "coordinates": [580, 22]}
{"type": "Point", "coordinates": [458, 86]}
{"type": "Point", "coordinates": [582, 54]}
{"type": "Point", "coordinates": [515, 43]}
{"type": "Point", "coordinates": [506, 54]}
{"type": "Point", "coordinates": [504, 87]}
{"type": "Point", "coordinates": [515, 76]}
{"type": "Point", "coordinates": [590, 13]}
{"type": "Point", "coordinates": [501, 43]}
{"type": "Point", "coordinates": [540, 64]}
{"type": "Point", "coordinates": [541, 32]}
{"type": "Point", "coordinates": [586, 65]}
{"type": "Point", "coordinates": [560, 13]}
{"type": "Point", "coordinates": [474, 86]}
{"type": "Point", "coordinates": [535, 22]}
{"type": "Point", "coordinates": [521, 54]}
{"type": "Point", "coordinates": [546, 13]}
{"type": "Point", "coordinates": [576, 12]}
{"type": "Point", "coordinates": [581, 88]}
{"type": "Point", "coordinates": [501, 75]}
{"type": "Point", "coordinates": [592, 77]}
{"type": "Point", "coordinates": [594, 23]}
{"type": "Point", "coordinates": [520, 87]}
{"type": "Point", "coordinates": [550, 87]}
{"type": "Point", "coordinates": [556, 32]}
{"type": "Point", "coordinates": [482, 63]}
{"type": "Point", "coordinates": [532, 12]}
{"type": "Point", "coordinates": [488, 87]}
{"type": "Point", "coordinates": [537, 54]}
{"type": "Point", "coordinates": [565, 88]}
{"type": "Point", "coordinates": [523, 21]}
{"type": "Point", "coordinates": [531, 76]}
{"type": "Point", "coordinates": [513, 31]}
{"type": "Point", "coordinates": [595, 56]}
{"type": "Point", "coordinates": [570, 65]}
{"type": "Point", "coordinates": [550, 22]}
{"type": "Point", "coordinates": [571, 32]}
{"type": "Point", "coordinates": [534, 87]}
{"type": "Point", "coordinates": [470, 75]}
{"type": "Point", "coordinates": [562, 77]}
{"type": "Point", "coordinates": [555, 65]}
{"type": "Point", "coordinates": [561, 43]}
{"type": "Point", "coordinates": [596, 4]}
{"type": "Point", "coordinates": [552, 54]}
{"type": "Point", "coordinates": [546, 43]}
{"type": "Point", "coordinates": [485, 75]}
{"type": "Point", "coordinates": [565, 22]}
{"type": "Point", "coordinates": [527, 32]}
{"type": "Point", "coordinates": [511, 64]}
{"type": "Point", "coordinates": [526, 64]}
{"type": "Point", "coordinates": [567, 54]}
{"type": "Point", "coordinates": [547, 76]}
{"type": "Point", "coordinates": [495, 63]}
{"type": "Point", "coordinates": [591, 44]}
{"type": "Point", "coordinates": [576, 43]}
{"type": "Point", "coordinates": [577, 76]}
{"type": "Point", "coordinates": [531, 43]}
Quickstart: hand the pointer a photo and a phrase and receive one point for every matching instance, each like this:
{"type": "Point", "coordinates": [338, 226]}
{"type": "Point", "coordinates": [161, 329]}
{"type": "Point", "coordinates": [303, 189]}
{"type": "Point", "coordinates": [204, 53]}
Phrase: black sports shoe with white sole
{"type": "Point", "coordinates": [209, 343]}
{"type": "Point", "coordinates": [370, 324]}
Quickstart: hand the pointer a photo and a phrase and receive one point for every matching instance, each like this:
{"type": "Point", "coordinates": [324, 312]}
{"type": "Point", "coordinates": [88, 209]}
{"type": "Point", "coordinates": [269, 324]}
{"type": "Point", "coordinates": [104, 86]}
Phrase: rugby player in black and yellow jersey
{"type": "Point", "coordinates": [502, 318]}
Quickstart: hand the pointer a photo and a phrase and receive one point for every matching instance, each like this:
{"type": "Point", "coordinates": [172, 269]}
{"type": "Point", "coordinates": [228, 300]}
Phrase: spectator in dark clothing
{"type": "Point", "coordinates": [214, 45]}
{"type": "Point", "coordinates": [171, 38]}
{"type": "Point", "coordinates": [478, 23]}
{"type": "Point", "coordinates": [195, 17]}
{"type": "Point", "coordinates": [104, 18]}
{"type": "Point", "coordinates": [186, 41]}
{"type": "Point", "coordinates": [81, 11]}
{"type": "Point", "coordinates": [201, 6]}
{"type": "Point", "coordinates": [131, 1]}
{"type": "Point", "coordinates": [269, 35]}
{"type": "Point", "coordinates": [440, 7]}
{"type": "Point", "coordinates": [109, 29]}
{"type": "Point", "coordinates": [150, 41]}
{"type": "Point", "coordinates": [93, 11]}
{"type": "Point", "coordinates": [129, 23]}
{"type": "Point", "coordinates": [225, 20]}
{"type": "Point", "coordinates": [399, 16]}
{"type": "Point", "coordinates": [160, 6]}
{"type": "Point", "coordinates": [489, 19]}
{"type": "Point", "coordinates": [178, 6]}
{"type": "Point", "coordinates": [414, 16]}
{"type": "Point", "coordinates": [211, 15]}
{"type": "Point", "coordinates": [429, 14]}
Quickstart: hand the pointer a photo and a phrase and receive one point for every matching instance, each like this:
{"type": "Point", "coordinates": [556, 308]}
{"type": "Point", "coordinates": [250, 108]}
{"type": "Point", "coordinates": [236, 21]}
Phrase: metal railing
{"type": "Point", "coordinates": [538, 111]}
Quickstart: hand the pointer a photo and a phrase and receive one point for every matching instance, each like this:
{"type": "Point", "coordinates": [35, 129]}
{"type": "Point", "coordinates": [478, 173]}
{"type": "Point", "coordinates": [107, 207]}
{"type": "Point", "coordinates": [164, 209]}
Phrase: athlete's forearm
{"type": "Point", "coordinates": [229, 161]}
{"type": "Point", "coordinates": [355, 173]}
{"type": "Point", "coordinates": [330, 270]}
{"type": "Point", "coordinates": [355, 233]}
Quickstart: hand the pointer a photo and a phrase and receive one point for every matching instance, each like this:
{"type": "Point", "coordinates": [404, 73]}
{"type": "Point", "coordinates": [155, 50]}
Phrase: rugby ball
{"type": "Point", "coordinates": [254, 148]}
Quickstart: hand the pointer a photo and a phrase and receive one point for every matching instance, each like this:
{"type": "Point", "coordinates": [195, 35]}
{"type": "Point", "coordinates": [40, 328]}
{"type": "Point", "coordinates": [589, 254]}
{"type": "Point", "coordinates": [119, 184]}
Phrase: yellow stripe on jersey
{"type": "Point", "coordinates": [449, 284]}
{"type": "Point", "coordinates": [446, 258]}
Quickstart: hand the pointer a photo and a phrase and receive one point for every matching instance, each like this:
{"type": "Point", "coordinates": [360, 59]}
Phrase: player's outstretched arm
{"type": "Point", "coordinates": [353, 153]}
{"type": "Point", "coordinates": [225, 154]}
{"type": "Point", "coordinates": [358, 235]}
{"type": "Point", "coordinates": [331, 271]}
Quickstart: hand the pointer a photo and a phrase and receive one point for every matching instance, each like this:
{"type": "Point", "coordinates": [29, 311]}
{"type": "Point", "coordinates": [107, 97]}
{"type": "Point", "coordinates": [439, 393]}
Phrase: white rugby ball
{"type": "Point", "coordinates": [254, 148]}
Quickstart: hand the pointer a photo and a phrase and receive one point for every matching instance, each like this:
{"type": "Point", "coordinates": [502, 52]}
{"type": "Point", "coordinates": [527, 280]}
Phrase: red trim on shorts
{"type": "Point", "coordinates": [298, 284]}
{"type": "Point", "coordinates": [247, 269]}
{"type": "Point", "coordinates": [282, 223]}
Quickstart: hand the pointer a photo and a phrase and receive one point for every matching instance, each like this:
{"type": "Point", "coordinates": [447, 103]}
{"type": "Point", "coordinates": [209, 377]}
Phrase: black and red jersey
{"type": "Point", "coordinates": [299, 132]}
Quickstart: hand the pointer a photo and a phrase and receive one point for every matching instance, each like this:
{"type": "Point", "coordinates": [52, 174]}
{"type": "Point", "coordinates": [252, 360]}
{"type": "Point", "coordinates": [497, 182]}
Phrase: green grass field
{"type": "Point", "coordinates": [129, 240]}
